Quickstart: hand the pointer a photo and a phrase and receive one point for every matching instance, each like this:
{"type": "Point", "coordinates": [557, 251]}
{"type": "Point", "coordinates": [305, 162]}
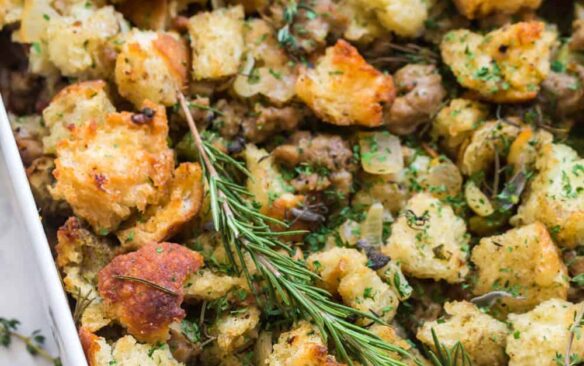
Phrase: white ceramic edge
{"type": "Point", "coordinates": [61, 319]}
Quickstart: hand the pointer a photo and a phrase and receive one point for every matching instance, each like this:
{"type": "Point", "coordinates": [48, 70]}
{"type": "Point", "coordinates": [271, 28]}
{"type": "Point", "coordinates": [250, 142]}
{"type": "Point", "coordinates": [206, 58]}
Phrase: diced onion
{"type": "Point", "coordinates": [263, 348]}
{"type": "Point", "coordinates": [444, 178]}
{"type": "Point", "coordinates": [350, 232]}
{"type": "Point", "coordinates": [381, 153]}
{"type": "Point", "coordinates": [372, 227]}
{"type": "Point", "coordinates": [477, 200]}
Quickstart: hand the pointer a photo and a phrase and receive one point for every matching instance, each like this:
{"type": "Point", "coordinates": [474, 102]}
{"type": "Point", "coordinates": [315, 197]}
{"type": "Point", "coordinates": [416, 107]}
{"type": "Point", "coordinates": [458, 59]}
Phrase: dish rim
{"type": "Point", "coordinates": [60, 316]}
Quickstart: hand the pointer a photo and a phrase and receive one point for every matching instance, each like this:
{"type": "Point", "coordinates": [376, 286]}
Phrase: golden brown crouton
{"type": "Point", "coordinates": [524, 262]}
{"type": "Point", "coordinates": [302, 346]}
{"type": "Point", "coordinates": [480, 8]}
{"type": "Point", "coordinates": [145, 309]}
{"type": "Point", "coordinates": [504, 66]}
{"type": "Point", "coordinates": [75, 43]}
{"type": "Point", "coordinates": [80, 256]}
{"type": "Point", "coordinates": [76, 105]}
{"type": "Point", "coordinates": [217, 42]}
{"type": "Point", "coordinates": [344, 271]}
{"type": "Point", "coordinates": [429, 240]}
{"type": "Point", "coordinates": [107, 171]}
{"type": "Point", "coordinates": [482, 336]}
{"type": "Point", "coordinates": [539, 336]}
{"type": "Point", "coordinates": [124, 352]}
{"type": "Point", "coordinates": [555, 195]}
{"type": "Point", "coordinates": [456, 122]}
{"type": "Point", "coordinates": [343, 89]}
{"type": "Point", "coordinates": [404, 17]}
{"type": "Point", "coordinates": [10, 12]}
{"type": "Point", "coordinates": [151, 65]}
{"type": "Point", "coordinates": [235, 331]}
{"type": "Point", "coordinates": [208, 286]}
{"type": "Point", "coordinates": [180, 205]}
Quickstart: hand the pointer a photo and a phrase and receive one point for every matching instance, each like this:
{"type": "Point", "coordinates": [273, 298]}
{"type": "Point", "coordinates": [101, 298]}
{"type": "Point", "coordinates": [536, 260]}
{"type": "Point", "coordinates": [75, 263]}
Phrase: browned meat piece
{"type": "Point", "coordinates": [565, 94]}
{"type": "Point", "coordinates": [328, 158]}
{"type": "Point", "coordinates": [420, 93]}
{"type": "Point", "coordinates": [269, 121]}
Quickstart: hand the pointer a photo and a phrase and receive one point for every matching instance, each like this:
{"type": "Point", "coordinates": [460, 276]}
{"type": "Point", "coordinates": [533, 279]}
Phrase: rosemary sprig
{"type": "Point", "coordinates": [455, 356]}
{"type": "Point", "coordinates": [146, 282]}
{"type": "Point", "coordinates": [34, 342]}
{"type": "Point", "coordinates": [568, 357]}
{"type": "Point", "coordinates": [290, 285]}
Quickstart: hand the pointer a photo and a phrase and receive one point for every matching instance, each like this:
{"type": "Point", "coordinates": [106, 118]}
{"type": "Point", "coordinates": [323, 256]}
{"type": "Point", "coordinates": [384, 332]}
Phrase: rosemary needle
{"type": "Point", "coordinates": [290, 284]}
{"type": "Point", "coordinates": [146, 282]}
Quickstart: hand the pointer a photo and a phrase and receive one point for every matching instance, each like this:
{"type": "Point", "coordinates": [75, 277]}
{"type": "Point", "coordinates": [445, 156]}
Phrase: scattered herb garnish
{"type": "Point", "coordinates": [34, 343]}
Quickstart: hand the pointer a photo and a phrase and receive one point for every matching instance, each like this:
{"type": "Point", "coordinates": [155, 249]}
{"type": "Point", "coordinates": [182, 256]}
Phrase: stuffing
{"type": "Point", "coordinates": [504, 66]}
{"type": "Point", "coordinates": [266, 121]}
{"type": "Point", "coordinates": [267, 70]}
{"type": "Point", "coordinates": [267, 183]}
{"type": "Point", "coordinates": [541, 335]}
{"type": "Point", "coordinates": [524, 262]}
{"type": "Point", "coordinates": [420, 94]}
{"type": "Point", "coordinates": [205, 285]}
{"type": "Point", "coordinates": [10, 12]}
{"type": "Point", "coordinates": [363, 26]}
{"type": "Point", "coordinates": [389, 335]}
{"type": "Point", "coordinates": [217, 42]}
{"type": "Point", "coordinates": [429, 240]}
{"type": "Point", "coordinates": [153, 17]}
{"type": "Point", "coordinates": [473, 9]}
{"type": "Point", "coordinates": [555, 196]}
{"type": "Point", "coordinates": [153, 66]}
{"type": "Point", "coordinates": [403, 17]}
{"type": "Point", "coordinates": [40, 178]}
{"type": "Point", "coordinates": [564, 91]}
{"type": "Point", "coordinates": [75, 42]}
{"type": "Point", "coordinates": [302, 346]}
{"type": "Point", "coordinates": [29, 132]}
{"type": "Point", "coordinates": [323, 160]}
{"type": "Point", "coordinates": [235, 331]}
{"type": "Point", "coordinates": [482, 336]}
{"type": "Point", "coordinates": [345, 271]}
{"type": "Point", "coordinates": [80, 256]}
{"type": "Point", "coordinates": [493, 137]}
{"type": "Point", "coordinates": [75, 105]}
{"type": "Point", "coordinates": [147, 311]}
{"type": "Point", "coordinates": [456, 122]}
{"type": "Point", "coordinates": [126, 351]}
{"type": "Point", "coordinates": [107, 171]}
{"type": "Point", "coordinates": [343, 89]}
{"type": "Point", "coordinates": [524, 150]}
{"type": "Point", "coordinates": [181, 204]}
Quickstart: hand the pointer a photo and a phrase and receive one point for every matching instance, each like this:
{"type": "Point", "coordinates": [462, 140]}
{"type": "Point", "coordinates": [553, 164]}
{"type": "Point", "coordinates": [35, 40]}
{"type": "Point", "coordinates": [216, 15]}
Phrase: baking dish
{"type": "Point", "coordinates": [55, 301]}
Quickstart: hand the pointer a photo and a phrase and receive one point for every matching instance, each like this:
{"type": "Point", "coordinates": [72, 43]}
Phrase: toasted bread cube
{"type": "Point", "coordinates": [301, 346]}
{"type": "Point", "coordinates": [75, 43]}
{"type": "Point", "coordinates": [473, 9]}
{"type": "Point", "coordinates": [235, 331]}
{"type": "Point", "coordinates": [504, 66]}
{"type": "Point", "coordinates": [108, 171]}
{"type": "Point", "coordinates": [161, 221]}
{"type": "Point", "coordinates": [344, 271]}
{"type": "Point", "coordinates": [76, 105]}
{"type": "Point", "coordinates": [524, 262]}
{"type": "Point", "coordinates": [555, 195]}
{"type": "Point", "coordinates": [208, 286]}
{"type": "Point", "coordinates": [539, 336]}
{"type": "Point", "coordinates": [10, 12]}
{"type": "Point", "coordinates": [80, 256]}
{"type": "Point", "coordinates": [404, 17]}
{"type": "Point", "coordinates": [153, 66]}
{"type": "Point", "coordinates": [456, 122]}
{"type": "Point", "coordinates": [217, 42]}
{"type": "Point", "coordinates": [482, 336]}
{"type": "Point", "coordinates": [144, 310]}
{"type": "Point", "coordinates": [343, 89]}
{"type": "Point", "coordinates": [125, 351]}
{"type": "Point", "coordinates": [429, 240]}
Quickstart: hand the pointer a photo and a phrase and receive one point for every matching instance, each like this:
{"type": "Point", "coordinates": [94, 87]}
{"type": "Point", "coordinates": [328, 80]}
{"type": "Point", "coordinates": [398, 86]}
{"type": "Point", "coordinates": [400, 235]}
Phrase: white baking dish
{"type": "Point", "coordinates": [55, 300]}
